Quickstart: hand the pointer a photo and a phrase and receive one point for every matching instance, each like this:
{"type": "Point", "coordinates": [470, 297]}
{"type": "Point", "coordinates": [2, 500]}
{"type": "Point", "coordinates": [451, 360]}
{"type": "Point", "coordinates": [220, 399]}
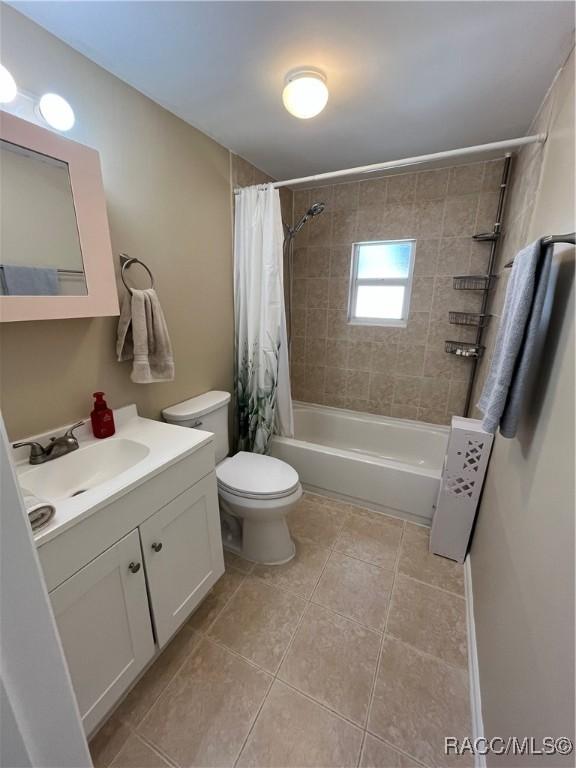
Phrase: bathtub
{"type": "Point", "coordinates": [390, 465]}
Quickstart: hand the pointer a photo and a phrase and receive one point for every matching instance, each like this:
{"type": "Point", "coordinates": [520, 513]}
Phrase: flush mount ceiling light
{"type": "Point", "coordinates": [56, 111]}
{"type": "Point", "coordinates": [305, 94]}
{"type": "Point", "coordinates": [8, 89]}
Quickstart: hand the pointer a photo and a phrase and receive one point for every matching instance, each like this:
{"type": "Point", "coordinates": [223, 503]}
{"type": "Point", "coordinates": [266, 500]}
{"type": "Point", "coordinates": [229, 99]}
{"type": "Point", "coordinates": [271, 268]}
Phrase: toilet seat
{"type": "Point", "coordinates": [254, 476]}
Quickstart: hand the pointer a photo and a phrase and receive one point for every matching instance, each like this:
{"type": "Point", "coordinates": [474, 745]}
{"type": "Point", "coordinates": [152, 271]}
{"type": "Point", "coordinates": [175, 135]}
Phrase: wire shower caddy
{"type": "Point", "coordinates": [470, 319]}
{"type": "Point", "coordinates": [482, 284]}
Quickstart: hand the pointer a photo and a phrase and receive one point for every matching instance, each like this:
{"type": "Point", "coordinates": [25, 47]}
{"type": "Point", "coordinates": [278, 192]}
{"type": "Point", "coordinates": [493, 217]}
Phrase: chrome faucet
{"type": "Point", "coordinates": [58, 446]}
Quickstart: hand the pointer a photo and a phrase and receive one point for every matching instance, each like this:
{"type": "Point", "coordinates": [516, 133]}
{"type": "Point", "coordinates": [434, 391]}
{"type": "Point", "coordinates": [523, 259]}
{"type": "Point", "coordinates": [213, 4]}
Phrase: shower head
{"type": "Point", "coordinates": [314, 210]}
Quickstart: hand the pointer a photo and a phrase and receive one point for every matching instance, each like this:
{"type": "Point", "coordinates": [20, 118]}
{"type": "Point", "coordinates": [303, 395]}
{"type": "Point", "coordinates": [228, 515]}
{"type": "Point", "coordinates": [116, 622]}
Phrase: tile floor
{"type": "Point", "coordinates": [353, 654]}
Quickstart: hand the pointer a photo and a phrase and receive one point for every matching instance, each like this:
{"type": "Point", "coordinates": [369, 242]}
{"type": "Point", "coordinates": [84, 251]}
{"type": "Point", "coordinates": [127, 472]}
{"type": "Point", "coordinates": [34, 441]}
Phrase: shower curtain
{"type": "Point", "coordinates": [263, 400]}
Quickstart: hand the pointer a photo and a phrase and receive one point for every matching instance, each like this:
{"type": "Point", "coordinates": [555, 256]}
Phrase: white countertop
{"type": "Point", "coordinates": [167, 445]}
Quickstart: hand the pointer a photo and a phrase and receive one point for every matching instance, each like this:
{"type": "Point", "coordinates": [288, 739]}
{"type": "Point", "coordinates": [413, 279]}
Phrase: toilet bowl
{"type": "Point", "coordinates": [255, 492]}
{"type": "Point", "coordinates": [260, 491]}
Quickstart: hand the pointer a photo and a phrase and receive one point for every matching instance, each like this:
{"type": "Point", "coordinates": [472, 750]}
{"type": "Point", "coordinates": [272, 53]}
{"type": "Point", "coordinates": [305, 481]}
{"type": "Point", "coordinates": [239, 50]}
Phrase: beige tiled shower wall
{"type": "Point", "coordinates": [401, 372]}
{"type": "Point", "coordinates": [520, 199]}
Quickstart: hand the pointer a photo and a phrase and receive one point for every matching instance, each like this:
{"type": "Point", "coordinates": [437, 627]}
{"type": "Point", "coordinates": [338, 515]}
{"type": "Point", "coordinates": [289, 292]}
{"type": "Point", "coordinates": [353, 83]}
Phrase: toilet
{"type": "Point", "coordinates": [255, 492]}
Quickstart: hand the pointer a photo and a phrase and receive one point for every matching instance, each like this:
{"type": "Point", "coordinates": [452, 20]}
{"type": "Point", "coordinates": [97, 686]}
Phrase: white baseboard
{"type": "Point", "coordinates": [473, 669]}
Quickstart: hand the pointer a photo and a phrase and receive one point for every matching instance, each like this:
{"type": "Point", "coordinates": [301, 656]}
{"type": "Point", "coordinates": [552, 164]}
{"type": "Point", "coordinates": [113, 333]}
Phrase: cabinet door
{"type": "Point", "coordinates": [182, 548]}
{"type": "Point", "coordinates": [103, 617]}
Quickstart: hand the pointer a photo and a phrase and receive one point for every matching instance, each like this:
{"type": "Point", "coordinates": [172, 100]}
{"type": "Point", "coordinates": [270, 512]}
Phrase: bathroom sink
{"type": "Point", "coordinates": [99, 472]}
{"type": "Point", "coordinates": [82, 470]}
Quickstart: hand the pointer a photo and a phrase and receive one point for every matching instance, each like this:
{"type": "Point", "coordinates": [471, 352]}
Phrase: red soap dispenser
{"type": "Point", "coordinates": [102, 417]}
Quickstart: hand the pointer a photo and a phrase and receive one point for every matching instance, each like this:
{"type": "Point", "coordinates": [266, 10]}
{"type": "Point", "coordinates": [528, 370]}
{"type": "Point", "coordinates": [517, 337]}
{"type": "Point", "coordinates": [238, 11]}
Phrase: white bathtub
{"type": "Point", "coordinates": [391, 465]}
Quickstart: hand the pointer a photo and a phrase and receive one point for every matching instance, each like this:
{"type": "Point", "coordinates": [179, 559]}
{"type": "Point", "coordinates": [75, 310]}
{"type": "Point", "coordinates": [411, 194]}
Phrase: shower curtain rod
{"type": "Point", "coordinates": [450, 153]}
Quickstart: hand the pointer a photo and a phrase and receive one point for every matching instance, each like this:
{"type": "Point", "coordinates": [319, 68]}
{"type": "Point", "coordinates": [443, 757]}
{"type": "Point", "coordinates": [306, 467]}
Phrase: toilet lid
{"type": "Point", "coordinates": [256, 476]}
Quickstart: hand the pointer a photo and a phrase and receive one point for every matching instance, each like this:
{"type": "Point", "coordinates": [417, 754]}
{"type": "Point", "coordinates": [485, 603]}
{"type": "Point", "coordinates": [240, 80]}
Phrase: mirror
{"type": "Point", "coordinates": [55, 251]}
{"type": "Point", "coordinates": [39, 242]}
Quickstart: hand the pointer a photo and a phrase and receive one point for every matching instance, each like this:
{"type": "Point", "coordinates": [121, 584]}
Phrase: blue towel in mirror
{"type": "Point", "coordinates": [30, 281]}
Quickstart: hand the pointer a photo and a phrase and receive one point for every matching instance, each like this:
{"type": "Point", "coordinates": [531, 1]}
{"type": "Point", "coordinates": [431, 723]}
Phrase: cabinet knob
{"type": "Point", "coordinates": [134, 567]}
{"type": "Point", "coordinates": [157, 546]}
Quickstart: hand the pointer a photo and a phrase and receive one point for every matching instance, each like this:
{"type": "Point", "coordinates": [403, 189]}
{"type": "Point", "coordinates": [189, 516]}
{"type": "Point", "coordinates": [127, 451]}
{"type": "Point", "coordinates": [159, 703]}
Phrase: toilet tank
{"type": "Point", "coordinates": [209, 412]}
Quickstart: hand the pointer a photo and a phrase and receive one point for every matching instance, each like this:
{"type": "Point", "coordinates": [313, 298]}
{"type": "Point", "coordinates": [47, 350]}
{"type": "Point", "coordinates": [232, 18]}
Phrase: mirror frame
{"type": "Point", "coordinates": [83, 163]}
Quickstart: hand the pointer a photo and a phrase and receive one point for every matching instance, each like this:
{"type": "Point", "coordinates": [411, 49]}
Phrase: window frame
{"type": "Point", "coordinates": [355, 282]}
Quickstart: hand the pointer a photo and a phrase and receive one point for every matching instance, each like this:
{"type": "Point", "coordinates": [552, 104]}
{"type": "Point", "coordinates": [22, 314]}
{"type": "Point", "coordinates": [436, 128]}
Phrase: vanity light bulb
{"type": "Point", "coordinates": [57, 112]}
{"type": "Point", "coordinates": [8, 89]}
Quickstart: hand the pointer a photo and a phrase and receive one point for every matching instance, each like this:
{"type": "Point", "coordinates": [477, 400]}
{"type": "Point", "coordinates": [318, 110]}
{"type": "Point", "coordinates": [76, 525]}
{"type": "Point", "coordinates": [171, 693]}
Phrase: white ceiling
{"type": "Point", "coordinates": [405, 78]}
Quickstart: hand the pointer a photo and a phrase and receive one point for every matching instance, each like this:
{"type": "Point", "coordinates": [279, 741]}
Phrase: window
{"type": "Point", "coordinates": [381, 282]}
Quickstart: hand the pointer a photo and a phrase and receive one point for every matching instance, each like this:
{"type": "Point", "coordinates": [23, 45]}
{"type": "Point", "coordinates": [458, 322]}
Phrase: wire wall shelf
{"type": "Point", "coordinates": [468, 318]}
{"type": "Point", "coordinates": [464, 349]}
{"type": "Point", "coordinates": [472, 282]}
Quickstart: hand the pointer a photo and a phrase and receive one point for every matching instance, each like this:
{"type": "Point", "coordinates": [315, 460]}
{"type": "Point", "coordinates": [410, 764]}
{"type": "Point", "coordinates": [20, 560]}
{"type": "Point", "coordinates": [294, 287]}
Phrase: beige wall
{"type": "Point", "coordinates": [403, 372]}
{"type": "Point", "coordinates": [169, 203]}
{"type": "Point", "coordinates": [523, 551]}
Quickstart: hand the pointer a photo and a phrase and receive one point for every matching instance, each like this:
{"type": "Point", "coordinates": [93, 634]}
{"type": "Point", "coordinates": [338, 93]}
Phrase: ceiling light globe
{"type": "Point", "coordinates": [57, 112]}
{"type": "Point", "coordinates": [8, 89]}
{"type": "Point", "coordinates": [305, 94]}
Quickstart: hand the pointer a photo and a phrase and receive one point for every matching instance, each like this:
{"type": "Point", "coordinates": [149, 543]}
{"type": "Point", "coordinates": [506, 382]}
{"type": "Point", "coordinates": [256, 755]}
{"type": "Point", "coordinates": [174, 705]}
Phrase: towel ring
{"type": "Point", "coordinates": [127, 262]}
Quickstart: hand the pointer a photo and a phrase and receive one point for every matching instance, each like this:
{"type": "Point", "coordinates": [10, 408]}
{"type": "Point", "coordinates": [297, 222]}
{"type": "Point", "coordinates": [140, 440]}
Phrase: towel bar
{"type": "Point", "coordinates": [62, 271]}
{"type": "Point", "coordinates": [569, 239]}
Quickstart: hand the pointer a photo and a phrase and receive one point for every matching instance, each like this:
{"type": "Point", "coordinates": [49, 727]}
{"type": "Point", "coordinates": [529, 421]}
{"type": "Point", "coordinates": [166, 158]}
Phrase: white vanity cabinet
{"type": "Point", "coordinates": [104, 623]}
{"type": "Point", "coordinates": [126, 577]}
{"type": "Point", "coordinates": [182, 553]}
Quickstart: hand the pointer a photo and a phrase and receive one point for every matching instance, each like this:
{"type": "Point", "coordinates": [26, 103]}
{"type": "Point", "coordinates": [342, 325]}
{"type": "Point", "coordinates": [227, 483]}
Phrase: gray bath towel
{"type": "Point", "coordinates": [30, 281]}
{"type": "Point", "coordinates": [143, 337]}
{"type": "Point", "coordinates": [505, 386]}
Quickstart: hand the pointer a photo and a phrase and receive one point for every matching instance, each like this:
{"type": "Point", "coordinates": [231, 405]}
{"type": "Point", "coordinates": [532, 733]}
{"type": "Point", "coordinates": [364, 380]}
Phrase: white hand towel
{"type": "Point", "coordinates": [143, 337]}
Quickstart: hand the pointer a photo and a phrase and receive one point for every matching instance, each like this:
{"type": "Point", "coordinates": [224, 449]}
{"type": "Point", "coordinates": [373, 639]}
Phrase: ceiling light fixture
{"type": "Point", "coordinates": [56, 111]}
{"type": "Point", "coordinates": [8, 89]}
{"type": "Point", "coordinates": [305, 94]}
